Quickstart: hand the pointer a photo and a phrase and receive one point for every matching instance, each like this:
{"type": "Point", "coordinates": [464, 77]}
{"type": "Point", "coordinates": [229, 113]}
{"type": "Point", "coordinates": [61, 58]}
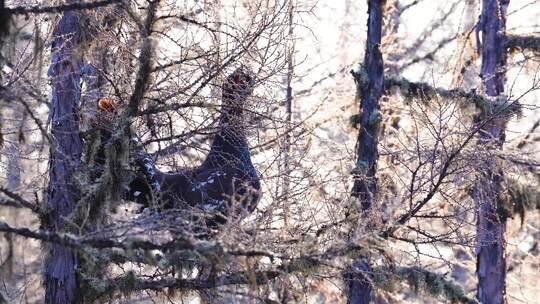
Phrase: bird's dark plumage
{"type": "Point", "coordinates": [226, 182]}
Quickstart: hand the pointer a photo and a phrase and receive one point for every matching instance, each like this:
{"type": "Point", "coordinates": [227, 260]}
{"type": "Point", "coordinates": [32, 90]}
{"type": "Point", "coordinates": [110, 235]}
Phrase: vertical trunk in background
{"type": "Point", "coordinates": [11, 149]}
{"type": "Point", "coordinates": [465, 72]}
{"type": "Point", "coordinates": [4, 30]}
{"type": "Point", "coordinates": [370, 85]}
{"type": "Point", "coordinates": [288, 103]}
{"type": "Point", "coordinates": [4, 23]}
{"type": "Point", "coordinates": [60, 265]}
{"type": "Point", "coordinates": [491, 261]}
{"type": "Point", "coordinates": [283, 186]}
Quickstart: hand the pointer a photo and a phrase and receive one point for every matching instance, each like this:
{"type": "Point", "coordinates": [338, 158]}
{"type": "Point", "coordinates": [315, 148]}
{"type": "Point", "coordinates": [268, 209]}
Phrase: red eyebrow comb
{"type": "Point", "coordinates": [236, 78]}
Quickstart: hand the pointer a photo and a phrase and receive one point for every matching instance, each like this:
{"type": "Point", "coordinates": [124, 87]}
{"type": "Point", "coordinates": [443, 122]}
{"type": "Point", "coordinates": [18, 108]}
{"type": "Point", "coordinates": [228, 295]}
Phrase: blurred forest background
{"type": "Point", "coordinates": [396, 143]}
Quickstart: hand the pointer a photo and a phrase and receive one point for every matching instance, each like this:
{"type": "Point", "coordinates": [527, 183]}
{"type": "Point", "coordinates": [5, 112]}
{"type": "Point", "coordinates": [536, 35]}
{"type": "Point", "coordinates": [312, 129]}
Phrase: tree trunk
{"type": "Point", "coordinates": [60, 277]}
{"type": "Point", "coordinates": [359, 285]}
{"type": "Point", "coordinates": [4, 23]}
{"type": "Point", "coordinates": [370, 84]}
{"type": "Point", "coordinates": [491, 261]}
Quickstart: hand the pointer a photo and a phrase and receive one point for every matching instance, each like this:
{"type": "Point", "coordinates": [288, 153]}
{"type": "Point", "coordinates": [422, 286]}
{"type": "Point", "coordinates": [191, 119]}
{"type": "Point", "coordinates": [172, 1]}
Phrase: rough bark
{"type": "Point", "coordinates": [360, 288]}
{"type": "Point", "coordinates": [370, 86]}
{"type": "Point", "coordinates": [491, 261]}
{"type": "Point", "coordinates": [60, 277]}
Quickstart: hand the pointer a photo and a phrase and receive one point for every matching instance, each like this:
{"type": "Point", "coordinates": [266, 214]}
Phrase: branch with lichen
{"type": "Point", "coordinates": [419, 279]}
{"type": "Point", "coordinates": [138, 250]}
{"type": "Point", "coordinates": [69, 240]}
{"type": "Point", "coordinates": [524, 43]}
{"type": "Point", "coordinates": [130, 283]}
{"type": "Point", "coordinates": [424, 91]}
{"type": "Point", "coordinates": [38, 9]}
{"type": "Point", "coordinates": [130, 244]}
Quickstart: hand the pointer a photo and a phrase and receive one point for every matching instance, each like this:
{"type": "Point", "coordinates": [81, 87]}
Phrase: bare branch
{"type": "Point", "coordinates": [17, 200]}
{"type": "Point", "coordinates": [24, 10]}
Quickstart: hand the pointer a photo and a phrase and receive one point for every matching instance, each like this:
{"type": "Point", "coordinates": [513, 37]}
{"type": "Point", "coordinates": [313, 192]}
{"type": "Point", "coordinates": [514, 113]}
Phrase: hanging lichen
{"type": "Point", "coordinates": [518, 197]}
{"type": "Point", "coordinates": [425, 92]}
{"type": "Point", "coordinates": [361, 77]}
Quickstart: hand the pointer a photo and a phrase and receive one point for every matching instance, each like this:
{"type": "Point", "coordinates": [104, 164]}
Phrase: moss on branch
{"type": "Point", "coordinates": [419, 279]}
{"type": "Point", "coordinates": [488, 106]}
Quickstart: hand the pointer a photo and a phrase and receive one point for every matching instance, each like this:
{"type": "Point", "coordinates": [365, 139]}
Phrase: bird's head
{"type": "Point", "coordinates": [106, 113]}
{"type": "Point", "coordinates": [107, 104]}
{"type": "Point", "coordinates": [238, 85]}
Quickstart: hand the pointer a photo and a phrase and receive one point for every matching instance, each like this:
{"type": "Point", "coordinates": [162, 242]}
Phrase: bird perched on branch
{"type": "Point", "coordinates": [100, 133]}
{"type": "Point", "coordinates": [226, 183]}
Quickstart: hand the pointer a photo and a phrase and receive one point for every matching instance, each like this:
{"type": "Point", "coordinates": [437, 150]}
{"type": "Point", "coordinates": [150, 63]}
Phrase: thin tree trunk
{"type": "Point", "coordinates": [11, 147]}
{"type": "Point", "coordinates": [360, 290]}
{"type": "Point", "coordinates": [12, 152]}
{"type": "Point", "coordinates": [491, 261]}
{"type": "Point", "coordinates": [370, 89]}
{"type": "Point", "coordinates": [465, 72]}
{"type": "Point", "coordinates": [285, 187]}
{"type": "Point", "coordinates": [370, 85]}
{"type": "Point", "coordinates": [4, 25]}
{"type": "Point", "coordinates": [60, 277]}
